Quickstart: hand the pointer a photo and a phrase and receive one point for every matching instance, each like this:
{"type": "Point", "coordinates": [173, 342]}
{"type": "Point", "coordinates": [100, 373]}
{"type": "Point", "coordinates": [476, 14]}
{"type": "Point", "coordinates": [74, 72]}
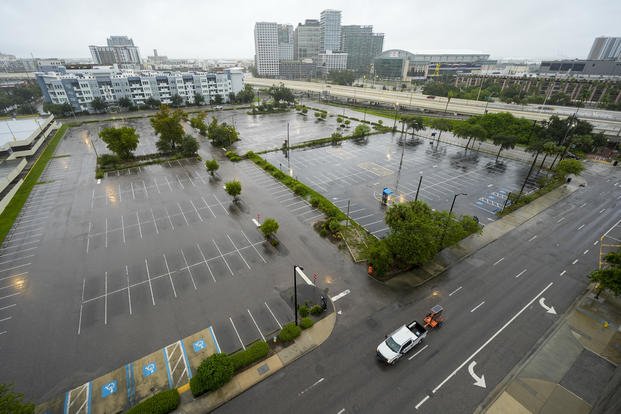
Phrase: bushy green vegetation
{"type": "Point", "coordinates": [221, 134]}
{"type": "Point", "coordinates": [306, 323]}
{"type": "Point", "coordinates": [12, 402]}
{"type": "Point", "coordinates": [269, 227]}
{"type": "Point", "coordinates": [609, 276]}
{"type": "Point", "coordinates": [212, 166]}
{"type": "Point", "coordinates": [250, 355]}
{"type": "Point", "coordinates": [303, 311]}
{"type": "Point", "coordinates": [416, 234]}
{"type": "Point", "coordinates": [198, 122]}
{"type": "Point", "coordinates": [167, 126]}
{"type": "Point", "coordinates": [24, 96]}
{"type": "Point", "coordinates": [212, 373]}
{"type": "Point", "coordinates": [121, 141]}
{"type": "Point", "coordinates": [289, 332]}
{"type": "Point", "coordinates": [163, 402]}
{"type": "Point", "coordinates": [233, 188]}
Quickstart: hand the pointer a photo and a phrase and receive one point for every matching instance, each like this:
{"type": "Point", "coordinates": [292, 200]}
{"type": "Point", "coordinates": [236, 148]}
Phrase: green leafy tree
{"type": "Point", "coordinates": [336, 137]}
{"type": "Point", "coordinates": [246, 95]}
{"type": "Point", "coordinates": [189, 146]}
{"type": "Point", "coordinates": [199, 99]}
{"type": "Point", "coordinates": [217, 100]}
{"type": "Point", "coordinates": [98, 104]}
{"type": "Point", "coordinates": [121, 141]}
{"type": "Point", "coordinates": [167, 125]}
{"type": "Point", "coordinates": [504, 142]}
{"type": "Point", "coordinates": [212, 166]}
{"type": "Point", "coordinates": [58, 109]}
{"type": "Point", "coordinates": [566, 167]}
{"type": "Point", "coordinates": [342, 77]}
{"type": "Point", "coordinates": [125, 102]}
{"type": "Point", "coordinates": [415, 123]}
{"type": "Point", "coordinates": [233, 188]}
{"type": "Point", "coordinates": [198, 122]}
{"type": "Point", "coordinates": [12, 402]}
{"type": "Point", "coordinates": [361, 131]}
{"type": "Point", "coordinates": [221, 134]}
{"type": "Point", "coordinates": [379, 256]}
{"type": "Point", "coordinates": [176, 100]}
{"type": "Point", "coordinates": [269, 227]}
{"type": "Point", "coordinates": [152, 103]}
{"type": "Point", "coordinates": [470, 131]}
{"type": "Point", "coordinates": [281, 93]}
{"type": "Point", "coordinates": [441, 124]}
{"type": "Point", "coordinates": [608, 277]}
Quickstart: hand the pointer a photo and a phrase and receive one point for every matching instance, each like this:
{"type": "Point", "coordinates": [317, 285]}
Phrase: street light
{"type": "Point", "coordinates": [449, 216]}
{"type": "Point", "coordinates": [394, 125]}
{"type": "Point", "coordinates": [295, 292]}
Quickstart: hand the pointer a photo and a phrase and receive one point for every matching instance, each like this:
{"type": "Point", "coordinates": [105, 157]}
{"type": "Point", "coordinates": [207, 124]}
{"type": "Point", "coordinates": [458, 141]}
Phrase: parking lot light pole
{"type": "Point", "coordinates": [394, 125]}
{"type": "Point", "coordinates": [295, 292]}
{"type": "Point", "coordinates": [449, 217]}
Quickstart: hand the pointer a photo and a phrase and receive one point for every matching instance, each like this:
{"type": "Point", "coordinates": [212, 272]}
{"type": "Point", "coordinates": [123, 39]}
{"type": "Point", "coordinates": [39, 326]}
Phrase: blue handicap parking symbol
{"type": "Point", "coordinates": [199, 345]}
{"type": "Point", "coordinates": [149, 369]}
{"type": "Point", "coordinates": [109, 388]}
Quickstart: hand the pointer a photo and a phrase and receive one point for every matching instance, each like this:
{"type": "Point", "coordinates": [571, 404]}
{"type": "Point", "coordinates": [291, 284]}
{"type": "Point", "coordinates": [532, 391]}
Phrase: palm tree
{"type": "Point", "coordinates": [441, 124]}
{"type": "Point", "coordinates": [505, 142]}
{"type": "Point", "coordinates": [548, 148]}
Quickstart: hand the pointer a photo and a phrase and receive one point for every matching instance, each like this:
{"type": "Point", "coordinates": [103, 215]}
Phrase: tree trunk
{"type": "Point", "coordinates": [439, 135]}
{"type": "Point", "coordinates": [498, 155]}
{"type": "Point", "coordinates": [468, 143]}
{"type": "Point", "coordinates": [542, 162]}
{"type": "Point", "coordinates": [554, 160]}
{"type": "Point", "coordinates": [527, 175]}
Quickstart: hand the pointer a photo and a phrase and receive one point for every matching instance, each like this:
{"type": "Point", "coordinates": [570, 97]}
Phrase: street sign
{"type": "Point", "coordinates": [199, 345]}
{"type": "Point", "coordinates": [149, 369]}
{"type": "Point", "coordinates": [109, 388]}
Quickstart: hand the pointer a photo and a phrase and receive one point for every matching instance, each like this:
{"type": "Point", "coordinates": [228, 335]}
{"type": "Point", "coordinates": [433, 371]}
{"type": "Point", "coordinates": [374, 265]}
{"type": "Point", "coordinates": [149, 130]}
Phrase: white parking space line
{"type": "Point", "coordinates": [561, 219]}
{"type": "Point", "coordinates": [195, 209]}
{"type": "Point", "coordinates": [81, 306]}
{"type": "Point", "coordinates": [139, 226]}
{"type": "Point", "coordinates": [563, 272]}
{"type": "Point", "coordinates": [255, 324]}
{"type": "Point", "coordinates": [21, 251]}
{"type": "Point", "coordinates": [15, 267]}
{"type": "Point", "coordinates": [169, 275]}
{"type": "Point", "coordinates": [477, 307]}
{"type": "Point", "coordinates": [205, 261]}
{"type": "Point", "coordinates": [580, 228]}
{"type": "Point", "coordinates": [273, 316]}
{"type": "Point", "coordinates": [498, 261]}
{"type": "Point", "coordinates": [532, 238]}
{"type": "Point", "coordinates": [238, 337]}
{"type": "Point", "coordinates": [157, 231]}
{"type": "Point", "coordinates": [455, 291]}
{"type": "Point", "coordinates": [521, 273]}
{"type": "Point", "coordinates": [421, 402]}
{"type": "Point", "coordinates": [222, 256]}
{"type": "Point", "coordinates": [188, 267]}
{"type": "Point", "coordinates": [253, 246]}
{"type": "Point", "coordinates": [238, 252]}
{"type": "Point", "coordinates": [129, 293]}
{"type": "Point", "coordinates": [340, 295]}
{"type": "Point", "coordinates": [586, 251]}
{"type": "Point", "coordinates": [17, 259]}
{"type": "Point", "coordinates": [123, 229]}
{"type": "Point", "coordinates": [575, 261]}
{"type": "Point", "coordinates": [184, 217]}
{"type": "Point", "coordinates": [106, 299]}
{"type": "Point", "coordinates": [207, 205]}
{"type": "Point", "coordinates": [225, 210]}
{"type": "Point", "coordinates": [169, 219]}
{"type": "Point", "coordinates": [12, 305]}
{"type": "Point", "coordinates": [146, 263]}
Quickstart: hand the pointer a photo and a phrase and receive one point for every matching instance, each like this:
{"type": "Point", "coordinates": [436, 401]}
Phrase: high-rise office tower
{"type": "Point", "coordinates": [285, 42]}
{"type": "Point", "coordinates": [306, 40]}
{"type": "Point", "coordinates": [330, 28]}
{"type": "Point", "coordinates": [266, 48]}
{"type": "Point", "coordinates": [361, 46]}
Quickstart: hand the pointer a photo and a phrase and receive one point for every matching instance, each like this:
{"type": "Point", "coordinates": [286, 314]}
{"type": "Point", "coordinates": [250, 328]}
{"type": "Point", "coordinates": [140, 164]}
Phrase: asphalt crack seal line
{"type": "Point", "coordinates": [509, 322]}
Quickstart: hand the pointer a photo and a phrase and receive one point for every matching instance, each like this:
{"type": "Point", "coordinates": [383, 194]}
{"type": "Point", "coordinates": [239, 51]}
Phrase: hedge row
{"type": "Point", "coordinates": [161, 403]}
{"type": "Point", "coordinates": [316, 199]}
{"type": "Point", "coordinates": [253, 353]}
{"type": "Point", "coordinates": [212, 373]}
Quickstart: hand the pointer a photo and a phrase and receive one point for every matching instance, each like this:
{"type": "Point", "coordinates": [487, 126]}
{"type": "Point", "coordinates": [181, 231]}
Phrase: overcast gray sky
{"type": "Point", "coordinates": [224, 29]}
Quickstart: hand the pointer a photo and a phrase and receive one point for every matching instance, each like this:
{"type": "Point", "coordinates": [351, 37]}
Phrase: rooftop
{"type": "Point", "coordinates": [18, 129]}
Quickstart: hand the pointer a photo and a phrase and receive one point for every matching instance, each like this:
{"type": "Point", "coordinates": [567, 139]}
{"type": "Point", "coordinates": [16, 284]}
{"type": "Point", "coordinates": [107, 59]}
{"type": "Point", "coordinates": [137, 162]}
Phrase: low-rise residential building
{"type": "Point", "coordinates": [80, 87]}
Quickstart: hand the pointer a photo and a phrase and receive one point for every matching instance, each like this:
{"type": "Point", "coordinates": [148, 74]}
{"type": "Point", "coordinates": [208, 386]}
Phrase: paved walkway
{"type": "Point", "coordinates": [570, 371]}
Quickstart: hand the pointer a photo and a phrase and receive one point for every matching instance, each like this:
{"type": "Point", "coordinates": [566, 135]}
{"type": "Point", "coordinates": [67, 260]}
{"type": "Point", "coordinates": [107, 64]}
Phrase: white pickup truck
{"type": "Point", "coordinates": [400, 342]}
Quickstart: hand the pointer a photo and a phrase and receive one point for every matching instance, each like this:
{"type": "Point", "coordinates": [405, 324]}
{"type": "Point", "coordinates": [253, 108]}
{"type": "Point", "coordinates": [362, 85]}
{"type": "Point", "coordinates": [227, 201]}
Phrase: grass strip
{"type": "Point", "coordinates": [10, 213]}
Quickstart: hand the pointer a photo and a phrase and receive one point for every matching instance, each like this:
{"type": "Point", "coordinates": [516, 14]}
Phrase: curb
{"type": "Point", "coordinates": [239, 384]}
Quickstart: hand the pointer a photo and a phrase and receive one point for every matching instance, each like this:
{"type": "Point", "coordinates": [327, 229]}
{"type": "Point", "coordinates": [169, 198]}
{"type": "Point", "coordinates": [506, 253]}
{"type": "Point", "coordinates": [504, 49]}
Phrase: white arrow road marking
{"type": "Point", "coordinates": [478, 381]}
{"type": "Point", "coordinates": [548, 309]}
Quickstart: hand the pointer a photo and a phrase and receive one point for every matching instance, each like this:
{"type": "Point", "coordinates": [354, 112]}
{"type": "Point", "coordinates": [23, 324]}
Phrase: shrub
{"type": "Point", "coordinates": [161, 403]}
{"type": "Point", "coordinates": [231, 155]}
{"type": "Point", "coordinates": [323, 232]}
{"type": "Point", "coordinates": [99, 173]}
{"type": "Point", "coordinates": [108, 160]}
{"type": "Point", "coordinates": [212, 373]}
{"type": "Point", "coordinates": [253, 353]}
{"type": "Point", "coordinates": [301, 190]}
{"type": "Point", "coordinates": [314, 201]}
{"type": "Point", "coordinates": [306, 323]}
{"type": "Point", "coordinates": [316, 310]}
{"type": "Point", "coordinates": [339, 119]}
{"type": "Point", "coordinates": [274, 242]}
{"type": "Point", "coordinates": [380, 122]}
{"type": "Point", "coordinates": [347, 122]}
{"type": "Point", "coordinates": [333, 225]}
{"type": "Point", "coordinates": [303, 310]}
{"type": "Point", "coordinates": [289, 332]}
{"type": "Point", "coordinates": [269, 227]}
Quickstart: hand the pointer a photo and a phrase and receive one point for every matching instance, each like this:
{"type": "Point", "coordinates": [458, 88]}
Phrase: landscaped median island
{"type": "Point", "coordinates": [12, 210]}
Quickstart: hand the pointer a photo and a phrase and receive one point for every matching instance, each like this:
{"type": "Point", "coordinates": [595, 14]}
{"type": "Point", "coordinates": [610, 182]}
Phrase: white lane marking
{"type": "Point", "coordinates": [563, 272]}
{"type": "Point", "coordinates": [532, 238]}
{"type": "Point", "coordinates": [595, 242]}
{"type": "Point", "coordinates": [106, 300]}
{"type": "Point", "coordinates": [341, 412]}
{"type": "Point", "coordinates": [521, 273]}
{"type": "Point", "coordinates": [575, 261]}
{"type": "Point", "coordinates": [306, 279]}
{"type": "Point", "coordinates": [129, 293]}
{"type": "Point", "coordinates": [273, 316]}
{"type": "Point", "coordinates": [340, 295]}
{"type": "Point", "coordinates": [580, 228]}
{"type": "Point", "coordinates": [586, 251]}
{"type": "Point", "coordinates": [498, 261]}
{"type": "Point", "coordinates": [418, 352]}
{"type": "Point", "coordinates": [478, 381]}
{"type": "Point", "coordinates": [477, 307]}
{"type": "Point", "coordinates": [561, 219]}
{"type": "Point", "coordinates": [81, 305]}
{"type": "Point", "coordinates": [491, 338]}
{"type": "Point", "coordinates": [256, 325]}
{"type": "Point", "coordinates": [455, 291]}
{"type": "Point", "coordinates": [238, 337]}
{"type": "Point", "coordinates": [320, 380]}
{"type": "Point", "coordinates": [602, 210]}
{"type": "Point", "coordinates": [421, 402]}
{"type": "Point", "coordinates": [549, 309]}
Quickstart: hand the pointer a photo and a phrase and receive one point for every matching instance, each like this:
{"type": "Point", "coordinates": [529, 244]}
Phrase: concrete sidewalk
{"type": "Point", "coordinates": [570, 371]}
{"type": "Point", "coordinates": [491, 232]}
{"type": "Point", "coordinates": [308, 340]}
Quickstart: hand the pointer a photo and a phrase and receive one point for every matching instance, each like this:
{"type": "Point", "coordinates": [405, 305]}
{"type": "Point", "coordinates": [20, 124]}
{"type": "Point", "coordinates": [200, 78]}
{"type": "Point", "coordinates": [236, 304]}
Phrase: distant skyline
{"type": "Point", "coordinates": [529, 29]}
